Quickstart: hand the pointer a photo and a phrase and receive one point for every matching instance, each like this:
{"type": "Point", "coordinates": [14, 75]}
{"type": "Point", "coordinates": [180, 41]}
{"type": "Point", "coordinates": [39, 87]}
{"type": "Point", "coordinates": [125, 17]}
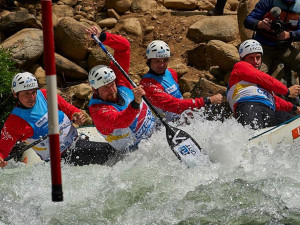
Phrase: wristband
{"type": "Point", "coordinates": [288, 93]}
{"type": "Point", "coordinates": [102, 36]}
{"type": "Point", "coordinates": [134, 104]}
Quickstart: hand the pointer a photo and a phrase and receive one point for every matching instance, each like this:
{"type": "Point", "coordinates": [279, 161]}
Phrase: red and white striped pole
{"type": "Point", "coordinates": [49, 62]}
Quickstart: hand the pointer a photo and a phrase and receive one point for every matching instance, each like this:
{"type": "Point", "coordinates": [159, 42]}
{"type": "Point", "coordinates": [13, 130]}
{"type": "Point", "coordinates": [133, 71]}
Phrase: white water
{"type": "Point", "coordinates": [243, 185]}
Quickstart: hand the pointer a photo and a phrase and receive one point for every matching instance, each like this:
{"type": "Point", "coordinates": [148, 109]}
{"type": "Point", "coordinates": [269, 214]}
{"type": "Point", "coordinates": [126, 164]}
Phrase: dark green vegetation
{"type": "Point", "coordinates": [7, 71]}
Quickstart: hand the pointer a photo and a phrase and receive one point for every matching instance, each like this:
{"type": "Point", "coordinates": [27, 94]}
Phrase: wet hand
{"type": "Point", "coordinates": [216, 99]}
{"type": "Point", "coordinates": [92, 30]}
{"type": "Point", "coordinates": [138, 93]}
{"type": "Point", "coordinates": [264, 24]}
{"type": "Point", "coordinates": [294, 91]}
{"type": "Point", "coordinates": [79, 118]}
{"type": "Point", "coordinates": [2, 163]}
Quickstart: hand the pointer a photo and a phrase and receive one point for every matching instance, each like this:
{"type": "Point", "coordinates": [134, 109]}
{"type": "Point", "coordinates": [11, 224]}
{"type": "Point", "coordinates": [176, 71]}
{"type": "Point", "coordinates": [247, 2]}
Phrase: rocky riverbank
{"type": "Point", "coordinates": [203, 49]}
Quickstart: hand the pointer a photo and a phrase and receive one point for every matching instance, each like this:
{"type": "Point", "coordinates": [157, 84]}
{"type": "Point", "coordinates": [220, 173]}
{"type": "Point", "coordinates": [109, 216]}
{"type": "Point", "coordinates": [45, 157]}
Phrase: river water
{"type": "Point", "coordinates": [242, 185]}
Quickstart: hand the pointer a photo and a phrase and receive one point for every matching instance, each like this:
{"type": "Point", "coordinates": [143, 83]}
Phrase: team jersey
{"type": "Point", "coordinates": [112, 119]}
{"type": "Point", "coordinates": [141, 127]}
{"type": "Point", "coordinates": [248, 84]}
{"type": "Point", "coordinates": [30, 124]}
{"type": "Point", "coordinates": [163, 92]}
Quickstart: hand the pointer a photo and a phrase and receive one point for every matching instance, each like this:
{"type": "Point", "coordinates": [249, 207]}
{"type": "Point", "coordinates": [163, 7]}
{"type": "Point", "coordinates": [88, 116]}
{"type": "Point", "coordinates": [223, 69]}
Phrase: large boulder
{"type": "Point", "coordinates": [132, 26]}
{"type": "Point", "coordinates": [180, 4]}
{"type": "Point", "coordinates": [70, 40]}
{"type": "Point", "coordinates": [143, 5]}
{"type": "Point", "coordinates": [222, 28]}
{"type": "Point", "coordinates": [63, 11]}
{"type": "Point", "coordinates": [222, 54]}
{"type": "Point", "coordinates": [70, 2]}
{"type": "Point", "coordinates": [26, 46]}
{"type": "Point", "coordinates": [120, 6]}
{"type": "Point", "coordinates": [15, 21]}
{"type": "Point", "coordinates": [205, 88]}
{"type": "Point", "coordinates": [188, 82]}
{"type": "Point", "coordinates": [98, 57]}
{"type": "Point", "coordinates": [68, 68]}
{"type": "Point", "coordinates": [108, 22]}
{"type": "Point", "coordinates": [197, 57]}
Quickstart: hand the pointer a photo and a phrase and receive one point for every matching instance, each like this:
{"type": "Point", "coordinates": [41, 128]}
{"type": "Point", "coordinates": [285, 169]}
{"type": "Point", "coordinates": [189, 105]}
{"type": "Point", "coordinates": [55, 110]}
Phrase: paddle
{"type": "Point", "coordinates": [21, 151]}
{"type": "Point", "coordinates": [181, 143]}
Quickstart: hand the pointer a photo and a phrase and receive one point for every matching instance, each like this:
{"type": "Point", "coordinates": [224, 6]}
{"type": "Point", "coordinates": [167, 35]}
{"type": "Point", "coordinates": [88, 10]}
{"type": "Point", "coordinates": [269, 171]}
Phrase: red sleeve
{"type": "Point", "coordinates": [63, 105]}
{"type": "Point", "coordinates": [159, 98]}
{"type": "Point", "coordinates": [106, 118]}
{"type": "Point", "coordinates": [121, 48]}
{"type": "Point", "coordinates": [245, 71]}
{"type": "Point", "coordinates": [282, 105]}
{"type": "Point", "coordinates": [14, 129]}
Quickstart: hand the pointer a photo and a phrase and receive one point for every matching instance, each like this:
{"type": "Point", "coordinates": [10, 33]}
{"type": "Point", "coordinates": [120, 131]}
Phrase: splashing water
{"type": "Point", "coordinates": [241, 185]}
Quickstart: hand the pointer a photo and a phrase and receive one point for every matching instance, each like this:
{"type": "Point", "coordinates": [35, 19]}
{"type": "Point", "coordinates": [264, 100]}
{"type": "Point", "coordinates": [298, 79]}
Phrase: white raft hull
{"type": "Point", "coordinates": [30, 157]}
{"type": "Point", "coordinates": [286, 133]}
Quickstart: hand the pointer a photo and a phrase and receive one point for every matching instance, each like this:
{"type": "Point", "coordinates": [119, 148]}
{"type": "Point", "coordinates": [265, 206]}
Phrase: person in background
{"type": "Point", "coordinates": [276, 24]}
{"type": "Point", "coordinates": [161, 85]}
{"type": "Point", "coordinates": [117, 109]}
{"type": "Point", "coordinates": [219, 8]}
{"type": "Point", "coordinates": [251, 92]}
{"type": "Point", "coordinates": [28, 122]}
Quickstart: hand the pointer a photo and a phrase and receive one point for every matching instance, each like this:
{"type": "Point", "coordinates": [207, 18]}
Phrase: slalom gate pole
{"type": "Point", "coordinates": [49, 62]}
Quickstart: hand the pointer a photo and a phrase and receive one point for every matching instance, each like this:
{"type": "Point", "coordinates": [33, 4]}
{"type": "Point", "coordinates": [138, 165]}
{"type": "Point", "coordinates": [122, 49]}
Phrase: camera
{"type": "Point", "coordinates": [278, 26]}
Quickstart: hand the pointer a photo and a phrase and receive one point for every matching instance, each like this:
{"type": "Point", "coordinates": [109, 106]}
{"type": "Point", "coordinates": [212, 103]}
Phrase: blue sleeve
{"type": "Point", "coordinates": [295, 35]}
{"type": "Point", "coordinates": [257, 14]}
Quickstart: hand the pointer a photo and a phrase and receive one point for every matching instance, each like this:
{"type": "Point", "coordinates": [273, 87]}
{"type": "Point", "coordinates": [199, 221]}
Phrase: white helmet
{"type": "Point", "coordinates": [250, 46]}
{"type": "Point", "coordinates": [101, 75]}
{"type": "Point", "coordinates": [158, 49]}
{"type": "Point", "coordinates": [23, 82]}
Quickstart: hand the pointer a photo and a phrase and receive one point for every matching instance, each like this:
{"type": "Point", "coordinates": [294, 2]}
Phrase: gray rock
{"type": "Point", "coordinates": [70, 40]}
{"type": "Point", "coordinates": [65, 67]}
{"type": "Point", "coordinates": [26, 46]}
{"type": "Point", "coordinates": [222, 28]}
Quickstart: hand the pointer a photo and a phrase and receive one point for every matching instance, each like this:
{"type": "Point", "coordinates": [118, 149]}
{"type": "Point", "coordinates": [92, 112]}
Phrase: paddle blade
{"type": "Point", "coordinates": [183, 145]}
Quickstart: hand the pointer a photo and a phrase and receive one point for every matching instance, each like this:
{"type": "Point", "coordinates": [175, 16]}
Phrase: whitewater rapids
{"type": "Point", "coordinates": [242, 185]}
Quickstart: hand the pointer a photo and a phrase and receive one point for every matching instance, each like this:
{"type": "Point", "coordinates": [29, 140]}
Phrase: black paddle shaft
{"type": "Point", "coordinates": [21, 151]}
{"type": "Point", "coordinates": [110, 56]}
{"type": "Point", "coordinates": [174, 136]}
